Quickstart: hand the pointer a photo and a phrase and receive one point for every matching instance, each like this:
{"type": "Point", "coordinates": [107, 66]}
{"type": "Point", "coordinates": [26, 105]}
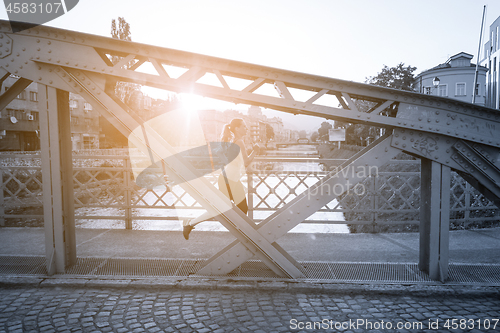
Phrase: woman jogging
{"type": "Point", "coordinates": [229, 180]}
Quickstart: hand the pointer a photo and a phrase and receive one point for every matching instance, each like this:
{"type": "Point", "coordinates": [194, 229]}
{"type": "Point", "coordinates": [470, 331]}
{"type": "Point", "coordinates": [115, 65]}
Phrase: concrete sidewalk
{"type": "Point", "coordinates": [466, 247]}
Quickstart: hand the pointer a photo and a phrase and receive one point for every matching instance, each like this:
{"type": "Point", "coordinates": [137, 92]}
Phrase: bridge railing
{"type": "Point", "coordinates": [105, 190]}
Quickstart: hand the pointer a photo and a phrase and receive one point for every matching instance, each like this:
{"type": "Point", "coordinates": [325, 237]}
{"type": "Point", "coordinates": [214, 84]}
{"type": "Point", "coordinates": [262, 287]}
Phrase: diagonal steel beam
{"type": "Point", "coordinates": [479, 165]}
{"type": "Point", "coordinates": [380, 107]}
{"type": "Point", "coordinates": [5, 75]}
{"type": "Point", "coordinates": [13, 91]}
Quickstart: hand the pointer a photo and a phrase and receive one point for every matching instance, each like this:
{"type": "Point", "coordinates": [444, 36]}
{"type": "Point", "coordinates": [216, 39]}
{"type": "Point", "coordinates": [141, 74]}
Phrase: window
{"type": "Point", "coordinates": [89, 142]}
{"type": "Point", "coordinates": [498, 38]}
{"type": "Point", "coordinates": [478, 89]}
{"type": "Point", "coordinates": [460, 89]}
{"type": "Point", "coordinates": [427, 90]}
{"type": "Point", "coordinates": [492, 42]}
{"type": "Point", "coordinates": [87, 106]}
{"type": "Point", "coordinates": [33, 96]}
{"type": "Point", "coordinates": [22, 95]}
{"type": "Point", "coordinates": [73, 104]}
{"type": "Point", "coordinates": [443, 90]}
{"type": "Point", "coordinates": [35, 115]}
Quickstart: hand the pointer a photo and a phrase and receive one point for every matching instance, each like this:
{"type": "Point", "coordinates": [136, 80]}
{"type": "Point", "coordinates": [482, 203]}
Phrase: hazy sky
{"type": "Point", "coordinates": [348, 39]}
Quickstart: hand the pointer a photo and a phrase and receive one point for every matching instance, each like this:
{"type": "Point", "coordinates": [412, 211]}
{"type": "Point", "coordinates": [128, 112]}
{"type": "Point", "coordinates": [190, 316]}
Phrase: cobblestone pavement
{"type": "Point", "coordinates": [72, 309]}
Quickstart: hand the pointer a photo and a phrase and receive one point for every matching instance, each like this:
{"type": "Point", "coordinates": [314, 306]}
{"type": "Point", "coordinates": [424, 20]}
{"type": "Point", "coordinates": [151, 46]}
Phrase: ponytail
{"type": "Point", "coordinates": [227, 133]}
{"type": "Point", "coordinates": [228, 130]}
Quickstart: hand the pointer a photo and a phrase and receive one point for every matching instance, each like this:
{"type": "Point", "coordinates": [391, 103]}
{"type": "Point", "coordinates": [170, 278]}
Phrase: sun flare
{"type": "Point", "coordinates": [192, 102]}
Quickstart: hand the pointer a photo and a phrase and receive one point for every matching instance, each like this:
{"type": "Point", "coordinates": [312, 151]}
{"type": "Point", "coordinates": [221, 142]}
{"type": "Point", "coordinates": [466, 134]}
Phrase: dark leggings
{"type": "Point", "coordinates": [243, 206]}
{"type": "Point", "coordinates": [223, 187]}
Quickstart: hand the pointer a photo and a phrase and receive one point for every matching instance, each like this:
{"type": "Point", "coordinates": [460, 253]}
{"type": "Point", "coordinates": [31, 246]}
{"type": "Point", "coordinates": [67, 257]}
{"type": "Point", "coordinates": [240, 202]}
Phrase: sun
{"type": "Point", "coordinates": [192, 102]}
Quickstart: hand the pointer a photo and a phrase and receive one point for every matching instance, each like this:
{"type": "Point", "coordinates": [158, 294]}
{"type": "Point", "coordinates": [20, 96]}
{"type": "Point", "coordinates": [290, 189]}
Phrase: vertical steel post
{"type": "Point", "coordinates": [434, 219]}
{"type": "Point", "coordinates": [57, 175]}
{"type": "Point", "coordinates": [65, 144]}
{"type": "Point", "coordinates": [375, 194]}
{"type": "Point", "coordinates": [250, 194]}
{"type": "Point", "coordinates": [128, 195]}
{"type": "Point", "coordinates": [373, 198]}
{"type": "Point", "coordinates": [2, 204]}
{"type": "Point", "coordinates": [467, 205]}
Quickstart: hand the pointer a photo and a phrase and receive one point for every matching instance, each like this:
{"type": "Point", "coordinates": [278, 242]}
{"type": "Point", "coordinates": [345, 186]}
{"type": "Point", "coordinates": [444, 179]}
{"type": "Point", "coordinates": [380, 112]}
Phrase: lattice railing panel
{"type": "Point", "coordinates": [166, 197]}
{"type": "Point", "coordinates": [458, 192]}
{"type": "Point", "coordinates": [272, 191]}
{"type": "Point", "coordinates": [22, 186]}
{"type": "Point", "coordinates": [398, 192]}
{"type": "Point", "coordinates": [102, 186]}
{"type": "Point", "coordinates": [392, 196]}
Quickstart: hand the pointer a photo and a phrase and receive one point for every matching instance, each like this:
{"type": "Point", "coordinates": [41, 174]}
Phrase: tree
{"type": "Point", "coordinates": [123, 30]}
{"type": "Point", "coordinates": [399, 77]}
{"type": "Point", "coordinates": [127, 92]}
{"type": "Point", "coordinates": [323, 131]}
{"type": "Point", "coordinates": [314, 136]}
{"type": "Point", "coordinates": [269, 133]}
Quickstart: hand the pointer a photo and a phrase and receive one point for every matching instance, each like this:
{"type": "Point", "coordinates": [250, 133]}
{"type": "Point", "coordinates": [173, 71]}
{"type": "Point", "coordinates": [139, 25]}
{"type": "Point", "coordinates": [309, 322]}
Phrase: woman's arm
{"type": "Point", "coordinates": [247, 159]}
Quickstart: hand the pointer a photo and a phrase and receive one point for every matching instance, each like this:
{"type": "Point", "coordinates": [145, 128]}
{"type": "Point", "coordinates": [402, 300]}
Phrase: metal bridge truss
{"type": "Point", "coordinates": [445, 134]}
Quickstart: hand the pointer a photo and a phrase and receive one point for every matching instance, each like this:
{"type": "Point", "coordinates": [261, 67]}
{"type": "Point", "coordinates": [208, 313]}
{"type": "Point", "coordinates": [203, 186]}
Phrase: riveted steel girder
{"type": "Point", "coordinates": [91, 54]}
{"type": "Point", "coordinates": [479, 162]}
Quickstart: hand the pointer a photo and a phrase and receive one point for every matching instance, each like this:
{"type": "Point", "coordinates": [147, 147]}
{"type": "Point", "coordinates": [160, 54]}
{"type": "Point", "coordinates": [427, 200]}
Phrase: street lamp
{"type": "Point", "coordinates": [435, 82]}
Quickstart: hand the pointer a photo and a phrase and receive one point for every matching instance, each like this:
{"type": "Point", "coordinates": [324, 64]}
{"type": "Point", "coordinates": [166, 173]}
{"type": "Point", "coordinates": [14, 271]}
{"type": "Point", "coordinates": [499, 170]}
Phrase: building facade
{"type": "Point", "coordinates": [84, 124]}
{"type": "Point", "coordinates": [491, 60]}
{"type": "Point", "coordinates": [454, 79]}
{"type": "Point", "coordinates": [19, 121]}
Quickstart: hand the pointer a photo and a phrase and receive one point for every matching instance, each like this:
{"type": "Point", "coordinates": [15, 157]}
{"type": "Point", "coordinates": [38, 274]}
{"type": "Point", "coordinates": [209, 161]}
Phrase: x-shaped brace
{"type": "Point", "coordinates": [344, 178]}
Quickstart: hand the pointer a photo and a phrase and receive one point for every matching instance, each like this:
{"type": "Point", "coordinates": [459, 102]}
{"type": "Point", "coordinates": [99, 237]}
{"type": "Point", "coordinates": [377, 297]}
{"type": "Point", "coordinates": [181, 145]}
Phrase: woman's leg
{"type": "Point", "coordinates": [203, 217]}
{"type": "Point", "coordinates": [243, 206]}
{"type": "Point", "coordinates": [237, 192]}
{"type": "Point", "coordinates": [192, 222]}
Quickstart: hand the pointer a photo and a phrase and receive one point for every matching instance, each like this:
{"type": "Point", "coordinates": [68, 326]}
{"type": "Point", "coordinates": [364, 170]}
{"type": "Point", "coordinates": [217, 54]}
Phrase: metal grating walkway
{"type": "Point", "coordinates": [331, 271]}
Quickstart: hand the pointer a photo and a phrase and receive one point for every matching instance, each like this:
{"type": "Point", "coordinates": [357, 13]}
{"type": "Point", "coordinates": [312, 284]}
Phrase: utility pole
{"type": "Point", "coordinates": [474, 87]}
